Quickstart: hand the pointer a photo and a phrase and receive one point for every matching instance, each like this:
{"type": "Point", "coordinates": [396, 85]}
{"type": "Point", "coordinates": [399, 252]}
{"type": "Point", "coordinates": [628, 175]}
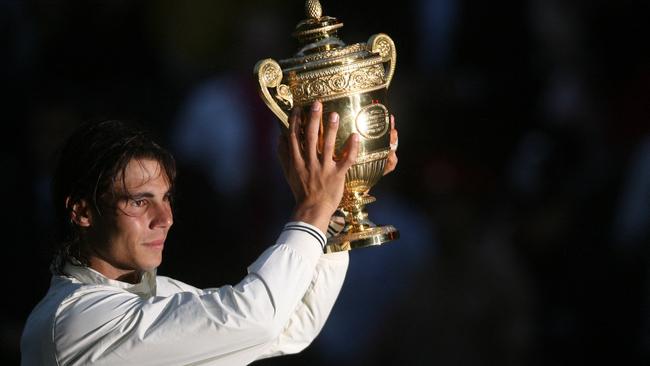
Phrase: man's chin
{"type": "Point", "coordinates": [151, 264]}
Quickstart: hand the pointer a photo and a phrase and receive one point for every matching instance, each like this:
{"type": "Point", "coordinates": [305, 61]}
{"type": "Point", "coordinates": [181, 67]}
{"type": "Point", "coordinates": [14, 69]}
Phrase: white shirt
{"type": "Point", "coordinates": [278, 308]}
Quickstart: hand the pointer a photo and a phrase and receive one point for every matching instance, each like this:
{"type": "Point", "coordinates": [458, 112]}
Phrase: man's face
{"type": "Point", "coordinates": [130, 234]}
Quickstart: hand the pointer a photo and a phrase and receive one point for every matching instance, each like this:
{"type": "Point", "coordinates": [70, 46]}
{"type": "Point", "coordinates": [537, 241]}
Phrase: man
{"type": "Point", "coordinates": [106, 305]}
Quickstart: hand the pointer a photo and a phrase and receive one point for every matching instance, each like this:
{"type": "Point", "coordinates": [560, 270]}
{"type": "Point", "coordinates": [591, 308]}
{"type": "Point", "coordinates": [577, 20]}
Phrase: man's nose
{"type": "Point", "coordinates": [162, 216]}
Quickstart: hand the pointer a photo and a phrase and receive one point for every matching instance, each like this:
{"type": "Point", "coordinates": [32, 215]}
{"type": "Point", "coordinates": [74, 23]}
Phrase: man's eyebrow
{"type": "Point", "coordinates": [140, 195]}
{"type": "Point", "coordinates": [145, 194]}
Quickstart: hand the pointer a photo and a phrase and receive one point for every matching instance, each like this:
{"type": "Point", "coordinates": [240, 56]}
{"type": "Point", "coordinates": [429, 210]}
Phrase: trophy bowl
{"type": "Point", "coordinates": [351, 80]}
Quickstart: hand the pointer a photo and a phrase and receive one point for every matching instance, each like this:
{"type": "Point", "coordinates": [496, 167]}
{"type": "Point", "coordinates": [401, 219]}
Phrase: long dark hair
{"type": "Point", "coordinates": [94, 157]}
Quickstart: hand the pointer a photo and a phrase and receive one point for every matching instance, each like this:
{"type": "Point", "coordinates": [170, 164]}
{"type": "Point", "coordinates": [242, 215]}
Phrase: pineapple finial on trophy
{"type": "Point", "coordinates": [313, 9]}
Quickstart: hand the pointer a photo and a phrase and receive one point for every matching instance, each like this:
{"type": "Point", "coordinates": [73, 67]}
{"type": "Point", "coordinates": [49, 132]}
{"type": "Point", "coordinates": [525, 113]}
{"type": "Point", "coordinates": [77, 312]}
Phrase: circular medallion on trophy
{"type": "Point", "coordinates": [372, 121]}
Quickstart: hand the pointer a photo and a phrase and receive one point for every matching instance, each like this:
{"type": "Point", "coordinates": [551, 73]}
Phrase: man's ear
{"type": "Point", "coordinates": [80, 212]}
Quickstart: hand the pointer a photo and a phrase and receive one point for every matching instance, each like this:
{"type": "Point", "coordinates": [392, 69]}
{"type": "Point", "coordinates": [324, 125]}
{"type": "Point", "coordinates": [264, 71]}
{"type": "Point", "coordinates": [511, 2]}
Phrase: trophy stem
{"type": "Point", "coordinates": [359, 231]}
{"type": "Point", "coordinates": [356, 216]}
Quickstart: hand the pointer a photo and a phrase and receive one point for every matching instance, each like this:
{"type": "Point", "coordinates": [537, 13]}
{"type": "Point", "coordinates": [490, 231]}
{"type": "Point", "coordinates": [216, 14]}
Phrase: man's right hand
{"type": "Point", "coordinates": [316, 180]}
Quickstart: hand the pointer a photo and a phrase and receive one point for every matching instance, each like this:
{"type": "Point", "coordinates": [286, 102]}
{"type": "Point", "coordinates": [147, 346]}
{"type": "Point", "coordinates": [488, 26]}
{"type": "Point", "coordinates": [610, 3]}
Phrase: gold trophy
{"type": "Point", "coordinates": [352, 81]}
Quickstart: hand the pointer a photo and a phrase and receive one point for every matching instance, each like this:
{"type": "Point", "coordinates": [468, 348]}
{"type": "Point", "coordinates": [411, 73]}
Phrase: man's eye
{"type": "Point", "coordinates": [138, 203]}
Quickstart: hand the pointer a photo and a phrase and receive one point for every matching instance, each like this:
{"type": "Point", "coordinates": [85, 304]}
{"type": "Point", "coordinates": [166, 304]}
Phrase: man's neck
{"type": "Point", "coordinates": [110, 271]}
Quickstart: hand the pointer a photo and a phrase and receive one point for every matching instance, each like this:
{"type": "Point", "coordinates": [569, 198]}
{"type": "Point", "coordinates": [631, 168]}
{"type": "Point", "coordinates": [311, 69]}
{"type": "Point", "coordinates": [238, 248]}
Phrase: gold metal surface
{"type": "Point", "coordinates": [352, 81]}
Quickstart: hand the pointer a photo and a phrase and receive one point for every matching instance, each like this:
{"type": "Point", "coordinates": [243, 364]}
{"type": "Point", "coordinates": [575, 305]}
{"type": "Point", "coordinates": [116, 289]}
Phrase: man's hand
{"type": "Point", "coordinates": [316, 180]}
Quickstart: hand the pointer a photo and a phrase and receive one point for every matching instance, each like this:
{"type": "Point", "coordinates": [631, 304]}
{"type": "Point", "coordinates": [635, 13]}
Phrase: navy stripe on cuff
{"type": "Point", "coordinates": [309, 231]}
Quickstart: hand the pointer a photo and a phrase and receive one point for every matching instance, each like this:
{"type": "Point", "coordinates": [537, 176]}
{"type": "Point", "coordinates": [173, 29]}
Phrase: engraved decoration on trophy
{"type": "Point", "coordinates": [351, 80]}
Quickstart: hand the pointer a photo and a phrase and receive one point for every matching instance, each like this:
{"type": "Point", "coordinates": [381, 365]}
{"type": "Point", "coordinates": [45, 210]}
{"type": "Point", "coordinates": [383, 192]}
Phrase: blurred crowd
{"type": "Point", "coordinates": [522, 193]}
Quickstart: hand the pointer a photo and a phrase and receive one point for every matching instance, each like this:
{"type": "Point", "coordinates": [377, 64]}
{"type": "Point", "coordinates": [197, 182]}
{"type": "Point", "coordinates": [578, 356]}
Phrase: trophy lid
{"type": "Point", "coordinates": [320, 44]}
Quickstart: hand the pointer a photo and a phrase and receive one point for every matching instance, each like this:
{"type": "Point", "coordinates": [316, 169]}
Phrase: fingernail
{"type": "Point", "coordinates": [355, 137]}
{"type": "Point", "coordinates": [316, 106]}
{"type": "Point", "coordinates": [334, 118]}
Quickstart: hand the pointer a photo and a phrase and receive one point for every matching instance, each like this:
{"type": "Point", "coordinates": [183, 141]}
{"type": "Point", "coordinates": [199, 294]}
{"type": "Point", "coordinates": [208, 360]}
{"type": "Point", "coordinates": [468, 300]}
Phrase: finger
{"type": "Point", "coordinates": [350, 152]}
{"type": "Point", "coordinates": [391, 162]}
{"type": "Point", "coordinates": [294, 119]}
{"type": "Point", "coordinates": [311, 132]}
{"type": "Point", "coordinates": [329, 140]}
{"type": "Point", "coordinates": [292, 138]}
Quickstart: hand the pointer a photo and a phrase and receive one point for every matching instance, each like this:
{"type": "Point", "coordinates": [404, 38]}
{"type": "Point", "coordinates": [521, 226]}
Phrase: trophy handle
{"type": "Point", "coordinates": [269, 75]}
{"type": "Point", "coordinates": [385, 47]}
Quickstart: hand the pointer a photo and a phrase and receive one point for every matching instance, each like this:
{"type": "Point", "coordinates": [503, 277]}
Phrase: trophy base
{"type": "Point", "coordinates": [360, 239]}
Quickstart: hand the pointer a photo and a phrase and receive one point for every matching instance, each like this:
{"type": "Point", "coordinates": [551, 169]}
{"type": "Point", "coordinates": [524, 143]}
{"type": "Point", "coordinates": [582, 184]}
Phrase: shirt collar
{"type": "Point", "coordinates": [145, 288]}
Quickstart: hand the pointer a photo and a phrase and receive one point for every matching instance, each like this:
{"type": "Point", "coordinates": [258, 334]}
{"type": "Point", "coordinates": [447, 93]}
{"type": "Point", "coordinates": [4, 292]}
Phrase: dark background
{"type": "Point", "coordinates": [522, 192]}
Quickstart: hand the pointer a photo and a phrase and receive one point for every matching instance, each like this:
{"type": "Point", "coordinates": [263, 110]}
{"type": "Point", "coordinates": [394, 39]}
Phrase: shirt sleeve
{"type": "Point", "coordinates": [230, 325]}
{"type": "Point", "coordinates": [312, 312]}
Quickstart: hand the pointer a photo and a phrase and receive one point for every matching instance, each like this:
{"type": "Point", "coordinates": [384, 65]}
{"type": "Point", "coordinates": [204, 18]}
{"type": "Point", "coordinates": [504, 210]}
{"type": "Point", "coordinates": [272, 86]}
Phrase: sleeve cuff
{"type": "Point", "coordinates": [302, 232]}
